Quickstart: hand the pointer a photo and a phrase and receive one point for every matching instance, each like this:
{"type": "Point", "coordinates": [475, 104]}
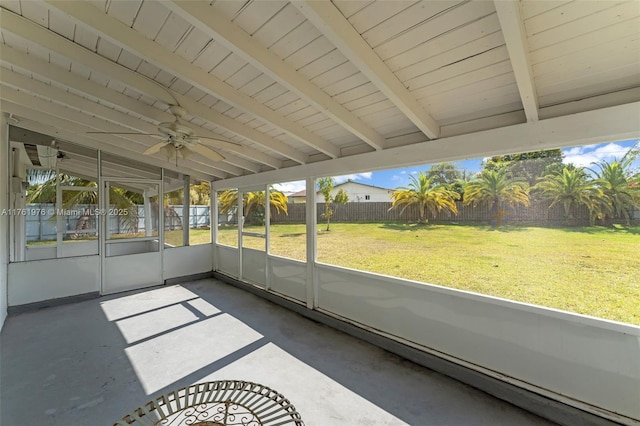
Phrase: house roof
{"type": "Point", "coordinates": [291, 89]}
{"type": "Point", "coordinates": [303, 193]}
{"type": "Point", "coordinates": [362, 184]}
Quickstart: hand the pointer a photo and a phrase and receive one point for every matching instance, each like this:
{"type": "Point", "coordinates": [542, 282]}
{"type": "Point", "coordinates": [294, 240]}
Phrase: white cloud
{"type": "Point", "coordinates": [355, 176]}
{"type": "Point", "coordinates": [290, 187]}
{"type": "Point", "coordinates": [577, 150]}
{"type": "Point", "coordinates": [585, 156]}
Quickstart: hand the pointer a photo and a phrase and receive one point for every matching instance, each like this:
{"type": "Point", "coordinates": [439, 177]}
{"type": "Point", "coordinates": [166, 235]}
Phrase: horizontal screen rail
{"type": "Point", "coordinates": [254, 234]}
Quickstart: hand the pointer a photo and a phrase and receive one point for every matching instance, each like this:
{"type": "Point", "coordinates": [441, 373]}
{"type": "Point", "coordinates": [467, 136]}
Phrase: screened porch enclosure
{"type": "Point", "coordinates": [148, 150]}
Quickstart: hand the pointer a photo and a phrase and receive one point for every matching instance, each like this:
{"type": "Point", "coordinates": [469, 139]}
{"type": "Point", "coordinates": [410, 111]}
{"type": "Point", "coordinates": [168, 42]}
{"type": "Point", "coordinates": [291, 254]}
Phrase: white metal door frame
{"type": "Point", "coordinates": [104, 184]}
{"type": "Point", "coordinates": [241, 232]}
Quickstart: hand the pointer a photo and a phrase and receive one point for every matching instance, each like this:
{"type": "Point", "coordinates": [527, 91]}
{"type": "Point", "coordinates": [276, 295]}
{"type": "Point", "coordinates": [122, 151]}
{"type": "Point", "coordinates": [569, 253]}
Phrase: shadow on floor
{"type": "Point", "coordinates": [92, 362]}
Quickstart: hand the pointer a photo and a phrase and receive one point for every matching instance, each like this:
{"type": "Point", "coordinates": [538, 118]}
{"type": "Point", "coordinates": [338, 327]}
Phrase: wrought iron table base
{"type": "Point", "coordinates": [219, 403]}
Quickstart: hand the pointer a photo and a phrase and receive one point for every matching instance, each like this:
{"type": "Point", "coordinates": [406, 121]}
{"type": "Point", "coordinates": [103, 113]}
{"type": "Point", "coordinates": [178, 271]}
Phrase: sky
{"type": "Point", "coordinates": [582, 156]}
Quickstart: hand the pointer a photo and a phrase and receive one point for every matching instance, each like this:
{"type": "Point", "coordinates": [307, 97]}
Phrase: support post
{"type": "Point", "coordinates": [267, 226]}
{"type": "Point", "coordinates": [102, 221]}
{"type": "Point", "coordinates": [148, 221]}
{"type": "Point", "coordinates": [59, 216]}
{"type": "Point", "coordinates": [240, 220]}
{"type": "Point", "coordinates": [40, 226]}
{"type": "Point", "coordinates": [18, 200]}
{"type": "Point", "coordinates": [213, 221]}
{"type": "Point", "coordinates": [186, 211]}
{"type": "Point", "coordinates": [4, 219]}
{"type": "Point", "coordinates": [311, 218]}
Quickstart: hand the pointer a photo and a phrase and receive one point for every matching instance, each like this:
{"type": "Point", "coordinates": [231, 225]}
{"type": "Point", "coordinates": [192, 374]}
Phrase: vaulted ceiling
{"type": "Point", "coordinates": [272, 85]}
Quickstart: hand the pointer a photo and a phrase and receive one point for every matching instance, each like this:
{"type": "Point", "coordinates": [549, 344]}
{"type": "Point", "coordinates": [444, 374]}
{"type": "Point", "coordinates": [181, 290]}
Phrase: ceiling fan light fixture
{"type": "Point", "coordinates": [179, 137]}
{"type": "Point", "coordinates": [167, 129]}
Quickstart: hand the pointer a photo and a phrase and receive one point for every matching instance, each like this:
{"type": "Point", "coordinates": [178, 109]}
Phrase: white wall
{"type": "Point", "coordinates": [189, 260]}
{"type": "Point", "coordinates": [40, 280]}
{"type": "Point", "coordinates": [254, 266]}
{"type": "Point", "coordinates": [131, 247]}
{"type": "Point", "coordinates": [561, 354]}
{"type": "Point", "coordinates": [358, 193]}
{"type": "Point", "coordinates": [4, 219]}
{"type": "Point", "coordinates": [226, 260]}
{"type": "Point", "coordinates": [40, 252]}
{"type": "Point", "coordinates": [288, 277]}
{"type": "Point", "coordinates": [581, 361]}
{"type": "Point", "coordinates": [122, 273]}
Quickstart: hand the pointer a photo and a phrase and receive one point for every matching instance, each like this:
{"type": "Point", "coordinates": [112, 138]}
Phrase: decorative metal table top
{"type": "Point", "coordinates": [219, 403]}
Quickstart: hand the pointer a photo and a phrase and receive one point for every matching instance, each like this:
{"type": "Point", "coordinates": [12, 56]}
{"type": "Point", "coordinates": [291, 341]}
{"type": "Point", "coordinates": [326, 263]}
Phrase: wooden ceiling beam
{"type": "Point", "coordinates": [86, 124]}
{"type": "Point", "coordinates": [42, 36]}
{"type": "Point", "coordinates": [129, 39]}
{"type": "Point", "coordinates": [85, 107]}
{"type": "Point", "coordinates": [64, 77]}
{"type": "Point", "coordinates": [334, 26]}
{"type": "Point", "coordinates": [515, 38]}
{"type": "Point", "coordinates": [234, 38]}
{"type": "Point", "coordinates": [611, 124]}
{"type": "Point", "coordinates": [42, 122]}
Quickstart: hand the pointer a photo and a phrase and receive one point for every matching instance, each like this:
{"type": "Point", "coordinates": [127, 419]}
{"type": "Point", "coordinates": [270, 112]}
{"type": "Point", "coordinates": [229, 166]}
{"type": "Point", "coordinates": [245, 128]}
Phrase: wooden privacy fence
{"type": "Point", "coordinates": [537, 214]}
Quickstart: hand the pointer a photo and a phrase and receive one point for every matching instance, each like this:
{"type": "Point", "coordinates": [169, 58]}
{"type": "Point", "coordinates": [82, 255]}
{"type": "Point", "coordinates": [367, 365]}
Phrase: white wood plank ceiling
{"type": "Point", "coordinates": [280, 84]}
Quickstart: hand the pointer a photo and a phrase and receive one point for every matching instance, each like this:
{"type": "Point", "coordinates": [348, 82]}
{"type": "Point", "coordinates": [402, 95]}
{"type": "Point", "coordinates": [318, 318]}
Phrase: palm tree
{"type": "Point", "coordinates": [121, 199]}
{"type": "Point", "coordinates": [227, 200]}
{"type": "Point", "coordinates": [325, 186]}
{"type": "Point", "coordinates": [253, 202]}
{"type": "Point", "coordinates": [571, 187]}
{"type": "Point", "coordinates": [430, 198]}
{"type": "Point", "coordinates": [619, 186]}
{"type": "Point", "coordinates": [199, 193]}
{"type": "Point", "coordinates": [172, 219]}
{"type": "Point", "coordinates": [493, 188]}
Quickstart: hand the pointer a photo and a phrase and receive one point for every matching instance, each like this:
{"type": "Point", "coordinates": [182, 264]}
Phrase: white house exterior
{"type": "Point", "coordinates": [357, 192]}
{"type": "Point", "coordinates": [297, 197]}
{"type": "Point", "coordinates": [360, 193]}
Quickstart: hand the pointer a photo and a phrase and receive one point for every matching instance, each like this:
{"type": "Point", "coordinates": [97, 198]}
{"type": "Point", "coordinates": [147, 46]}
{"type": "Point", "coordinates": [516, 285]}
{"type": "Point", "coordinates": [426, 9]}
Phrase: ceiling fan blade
{"type": "Point", "coordinates": [154, 149]}
{"type": "Point", "coordinates": [123, 133]}
{"type": "Point", "coordinates": [185, 152]}
{"type": "Point", "coordinates": [206, 152]}
{"type": "Point", "coordinates": [169, 151]}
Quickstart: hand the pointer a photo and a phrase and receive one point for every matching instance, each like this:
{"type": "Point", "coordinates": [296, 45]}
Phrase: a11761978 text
{"type": "Point", "coordinates": [30, 211]}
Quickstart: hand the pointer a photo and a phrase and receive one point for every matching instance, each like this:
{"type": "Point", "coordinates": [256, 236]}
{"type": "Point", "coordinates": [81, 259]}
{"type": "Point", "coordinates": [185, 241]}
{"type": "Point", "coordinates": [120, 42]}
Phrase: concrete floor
{"type": "Point", "coordinates": [90, 363]}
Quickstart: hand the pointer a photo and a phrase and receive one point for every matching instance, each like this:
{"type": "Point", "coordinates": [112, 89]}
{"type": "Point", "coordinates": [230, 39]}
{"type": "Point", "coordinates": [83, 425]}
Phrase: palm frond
{"type": "Point", "coordinates": [430, 198]}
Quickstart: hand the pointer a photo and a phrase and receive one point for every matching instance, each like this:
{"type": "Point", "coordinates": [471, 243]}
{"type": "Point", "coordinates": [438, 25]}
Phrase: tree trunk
{"type": "Point", "coordinates": [498, 213]}
{"type": "Point", "coordinates": [423, 218]}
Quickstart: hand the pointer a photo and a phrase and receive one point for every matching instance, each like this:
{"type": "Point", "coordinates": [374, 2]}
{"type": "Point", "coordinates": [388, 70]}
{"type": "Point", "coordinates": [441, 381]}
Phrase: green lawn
{"type": "Point", "coordinates": [196, 236]}
{"type": "Point", "coordinates": [593, 271]}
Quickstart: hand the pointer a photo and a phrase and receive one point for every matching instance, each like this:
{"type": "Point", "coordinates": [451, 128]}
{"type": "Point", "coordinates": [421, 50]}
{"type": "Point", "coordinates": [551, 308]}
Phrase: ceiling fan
{"type": "Point", "coordinates": [180, 139]}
